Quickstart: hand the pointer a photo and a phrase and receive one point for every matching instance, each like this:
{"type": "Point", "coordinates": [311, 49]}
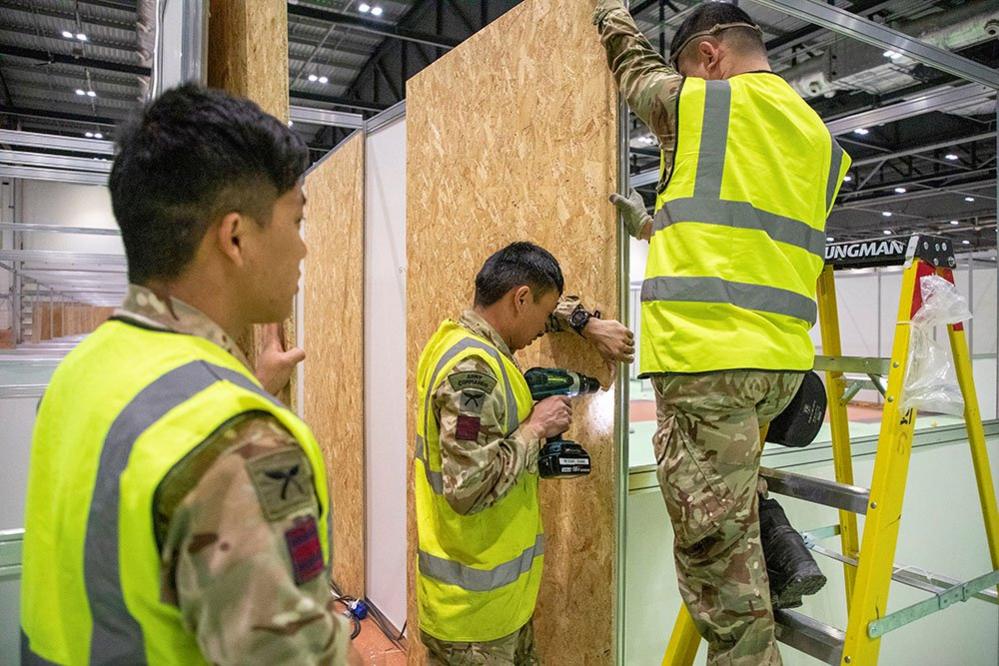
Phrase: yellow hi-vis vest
{"type": "Point", "coordinates": [739, 232]}
{"type": "Point", "coordinates": [477, 575]}
{"type": "Point", "coordinates": [121, 411]}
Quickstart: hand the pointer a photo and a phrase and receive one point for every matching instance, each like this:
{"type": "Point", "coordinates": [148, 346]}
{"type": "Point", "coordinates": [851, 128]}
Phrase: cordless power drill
{"type": "Point", "coordinates": [560, 458]}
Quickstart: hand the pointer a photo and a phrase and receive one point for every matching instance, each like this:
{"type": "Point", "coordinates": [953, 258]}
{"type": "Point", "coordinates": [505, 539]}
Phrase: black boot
{"type": "Point", "coordinates": [792, 570]}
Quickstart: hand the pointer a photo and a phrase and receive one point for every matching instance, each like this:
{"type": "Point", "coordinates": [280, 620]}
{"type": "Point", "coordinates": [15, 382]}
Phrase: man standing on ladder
{"type": "Point", "coordinates": [748, 176]}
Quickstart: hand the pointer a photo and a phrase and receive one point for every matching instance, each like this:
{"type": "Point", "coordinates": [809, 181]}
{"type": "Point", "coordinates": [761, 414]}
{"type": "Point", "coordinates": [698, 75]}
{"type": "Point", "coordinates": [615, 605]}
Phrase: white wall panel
{"type": "Point", "coordinates": [386, 409]}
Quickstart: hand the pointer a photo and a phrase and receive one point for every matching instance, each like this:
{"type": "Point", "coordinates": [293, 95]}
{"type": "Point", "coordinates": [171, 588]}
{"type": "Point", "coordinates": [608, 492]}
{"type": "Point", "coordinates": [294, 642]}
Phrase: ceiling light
{"type": "Point", "coordinates": [67, 34]}
{"type": "Point", "coordinates": [81, 91]}
{"type": "Point", "coordinates": [966, 242]}
{"type": "Point", "coordinates": [89, 135]}
{"type": "Point", "coordinates": [862, 131]}
{"type": "Point", "coordinates": [98, 135]}
{"type": "Point", "coordinates": [900, 190]}
{"type": "Point", "coordinates": [291, 123]}
{"type": "Point", "coordinates": [955, 222]}
{"type": "Point", "coordinates": [313, 78]}
{"type": "Point", "coordinates": [323, 79]}
{"type": "Point", "coordinates": [91, 93]}
{"type": "Point", "coordinates": [376, 11]}
{"type": "Point", "coordinates": [847, 179]}
{"type": "Point", "coordinates": [950, 156]}
{"type": "Point", "coordinates": [82, 37]}
{"type": "Point", "coordinates": [886, 213]}
{"type": "Point", "coordinates": [970, 199]}
{"type": "Point", "coordinates": [887, 232]}
{"type": "Point", "coordinates": [364, 8]}
{"type": "Point", "coordinates": [829, 239]}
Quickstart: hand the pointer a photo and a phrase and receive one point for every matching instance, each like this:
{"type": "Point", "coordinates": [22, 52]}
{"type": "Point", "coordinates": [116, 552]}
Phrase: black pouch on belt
{"type": "Point", "coordinates": [800, 421]}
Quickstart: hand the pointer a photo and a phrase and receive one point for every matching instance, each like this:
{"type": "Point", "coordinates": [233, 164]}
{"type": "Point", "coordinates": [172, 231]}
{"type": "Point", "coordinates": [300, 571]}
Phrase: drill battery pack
{"type": "Point", "coordinates": [562, 459]}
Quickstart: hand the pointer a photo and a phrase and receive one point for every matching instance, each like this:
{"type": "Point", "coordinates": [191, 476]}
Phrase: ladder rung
{"type": "Point", "coordinates": [820, 491]}
{"type": "Point", "coordinates": [867, 365]}
{"type": "Point", "coordinates": [920, 579]}
{"type": "Point", "coordinates": [808, 635]}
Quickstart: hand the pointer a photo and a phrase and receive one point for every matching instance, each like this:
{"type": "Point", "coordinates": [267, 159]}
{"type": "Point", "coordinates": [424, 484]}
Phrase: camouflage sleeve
{"type": "Point", "coordinates": [480, 460]}
{"type": "Point", "coordinates": [650, 85]}
{"type": "Point", "coordinates": [240, 540]}
{"type": "Point", "coordinates": [558, 320]}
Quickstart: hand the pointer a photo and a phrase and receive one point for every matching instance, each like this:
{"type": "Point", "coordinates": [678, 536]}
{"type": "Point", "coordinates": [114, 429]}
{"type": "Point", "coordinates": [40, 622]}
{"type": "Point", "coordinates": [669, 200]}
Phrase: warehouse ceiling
{"type": "Point", "coordinates": [74, 67]}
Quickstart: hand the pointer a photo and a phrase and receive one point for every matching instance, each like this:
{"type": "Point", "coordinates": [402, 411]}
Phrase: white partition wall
{"type": "Point", "coordinates": [386, 408]}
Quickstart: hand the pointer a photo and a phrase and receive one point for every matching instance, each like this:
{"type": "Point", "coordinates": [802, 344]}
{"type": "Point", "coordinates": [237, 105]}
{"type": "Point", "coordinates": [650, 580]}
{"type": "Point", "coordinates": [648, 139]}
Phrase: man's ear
{"type": "Point", "coordinates": [521, 297]}
{"type": "Point", "coordinates": [709, 53]}
{"type": "Point", "coordinates": [229, 236]}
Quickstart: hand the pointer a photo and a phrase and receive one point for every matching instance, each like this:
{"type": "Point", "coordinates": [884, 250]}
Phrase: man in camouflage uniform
{"type": "Point", "coordinates": [707, 443]}
{"type": "Point", "coordinates": [481, 465]}
{"type": "Point", "coordinates": [207, 190]}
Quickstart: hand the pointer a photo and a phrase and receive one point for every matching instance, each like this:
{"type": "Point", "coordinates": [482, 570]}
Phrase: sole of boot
{"type": "Point", "coordinates": [803, 585]}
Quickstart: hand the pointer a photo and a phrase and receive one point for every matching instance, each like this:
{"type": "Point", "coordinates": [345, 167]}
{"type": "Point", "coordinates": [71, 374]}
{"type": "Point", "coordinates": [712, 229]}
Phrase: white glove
{"type": "Point", "coordinates": [633, 211]}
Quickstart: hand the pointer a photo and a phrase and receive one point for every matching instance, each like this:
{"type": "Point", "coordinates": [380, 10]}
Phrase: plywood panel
{"type": "Point", "coordinates": [334, 321]}
{"type": "Point", "coordinates": [248, 52]}
{"type": "Point", "coordinates": [512, 138]}
{"type": "Point", "coordinates": [248, 56]}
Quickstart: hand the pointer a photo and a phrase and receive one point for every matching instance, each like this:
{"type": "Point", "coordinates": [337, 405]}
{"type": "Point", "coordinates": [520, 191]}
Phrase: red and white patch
{"type": "Point", "coordinates": [305, 549]}
{"type": "Point", "coordinates": [468, 428]}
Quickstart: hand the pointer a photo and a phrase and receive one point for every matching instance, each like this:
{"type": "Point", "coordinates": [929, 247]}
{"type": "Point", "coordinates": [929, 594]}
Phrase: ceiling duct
{"type": "Point", "coordinates": [851, 65]}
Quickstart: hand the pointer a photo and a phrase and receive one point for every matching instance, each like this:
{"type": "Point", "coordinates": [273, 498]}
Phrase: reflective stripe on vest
{"type": "Point", "coordinates": [480, 580]}
{"type": "Point", "coordinates": [738, 235]}
{"type": "Point", "coordinates": [116, 635]}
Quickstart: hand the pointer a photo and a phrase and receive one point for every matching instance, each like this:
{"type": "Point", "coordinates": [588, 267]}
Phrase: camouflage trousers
{"type": "Point", "coordinates": [516, 649]}
{"type": "Point", "coordinates": [708, 449]}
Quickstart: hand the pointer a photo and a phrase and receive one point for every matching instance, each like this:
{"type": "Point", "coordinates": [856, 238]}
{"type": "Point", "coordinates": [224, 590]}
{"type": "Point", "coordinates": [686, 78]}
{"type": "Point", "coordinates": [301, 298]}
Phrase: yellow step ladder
{"type": "Point", "coordinates": [868, 565]}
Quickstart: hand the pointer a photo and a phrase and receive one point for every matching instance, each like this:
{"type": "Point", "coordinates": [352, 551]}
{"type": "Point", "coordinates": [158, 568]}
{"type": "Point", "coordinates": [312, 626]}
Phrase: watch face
{"type": "Point", "coordinates": [579, 318]}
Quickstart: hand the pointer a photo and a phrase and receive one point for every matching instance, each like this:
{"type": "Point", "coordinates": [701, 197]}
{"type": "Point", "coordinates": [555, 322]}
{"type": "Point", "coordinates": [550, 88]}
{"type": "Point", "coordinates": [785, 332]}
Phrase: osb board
{"type": "Point", "coordinates": [248, 56]}
{"type": "Point", "coordinates": [510, 138]}
{"type": "Point", "coordinates": [41, 328]}
{"type": "Point", "coordinates": [248, 52]}
{"type": "Point", "coordinates": [334, 319]}
{"type": "Point", "coordinates": [58, 309]}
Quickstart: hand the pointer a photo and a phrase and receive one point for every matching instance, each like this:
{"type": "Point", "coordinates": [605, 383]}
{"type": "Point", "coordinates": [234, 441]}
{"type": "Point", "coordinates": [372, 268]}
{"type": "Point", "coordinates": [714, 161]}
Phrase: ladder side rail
{"type": "Point", "coordinates": [976, 433]}
{"type": "Point", "coordinates": [838, 419]}
{"type": "Point", "coordinates": [891, 466]}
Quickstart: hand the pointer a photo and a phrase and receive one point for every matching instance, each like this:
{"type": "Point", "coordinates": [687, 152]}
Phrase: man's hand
{"type": "Point", "coordinates": [637, 220]}
{"type": "Point", "coordinates": [612, 339]}
{"type": "Point", "coordinates": [549, 417]}
{"type": "Point", "coordinates": [274, 363]}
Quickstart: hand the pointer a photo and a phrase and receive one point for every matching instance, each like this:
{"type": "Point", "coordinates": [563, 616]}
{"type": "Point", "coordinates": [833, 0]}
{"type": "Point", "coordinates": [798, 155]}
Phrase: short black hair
{"type": "Point", "coordinates": [517, 264]}
{"type": "Point", "coordinates": [193, 155]}
{"type": "Point", "coordinates": [709, 14]}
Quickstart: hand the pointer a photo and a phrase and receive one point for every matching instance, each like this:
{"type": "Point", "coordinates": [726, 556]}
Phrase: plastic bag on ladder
{"type": "Point", "coordinates": [930, 380]}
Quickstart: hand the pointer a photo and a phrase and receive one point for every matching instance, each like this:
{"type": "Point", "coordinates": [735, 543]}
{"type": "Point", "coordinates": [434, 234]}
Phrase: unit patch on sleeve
{"type": "Point", "coordinates": [283, 481]}
{"type": "Point", "coordinates": [472, 401]}
{"type": "Point", "coordinates": [467, 428]}
{"type": "Point", "coordinates": [304, 549]}
{"type": "Point", "coordinates": [471, 380]}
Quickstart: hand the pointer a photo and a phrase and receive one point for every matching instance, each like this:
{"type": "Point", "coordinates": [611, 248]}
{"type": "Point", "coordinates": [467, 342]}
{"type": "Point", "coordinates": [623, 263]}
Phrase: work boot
{"type": "Point", "coordinates": [792, 570]}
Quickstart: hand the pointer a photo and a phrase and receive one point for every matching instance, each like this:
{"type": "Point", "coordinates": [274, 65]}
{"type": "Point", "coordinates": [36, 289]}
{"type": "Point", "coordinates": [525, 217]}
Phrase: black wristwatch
{"type": "Point", "coordinates": [580, 317]}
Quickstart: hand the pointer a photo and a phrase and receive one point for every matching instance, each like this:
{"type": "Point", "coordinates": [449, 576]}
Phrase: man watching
{"type": "Point", "coordinates": [177, 513]}
{"type": "Point", "coordinates": [748, 176]}
{"type": "Point", "coordinates": [481, 546]}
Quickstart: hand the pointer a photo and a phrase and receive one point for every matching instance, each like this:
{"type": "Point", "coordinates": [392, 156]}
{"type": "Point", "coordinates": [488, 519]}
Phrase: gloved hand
{"type": "Point", "coordinates": [633, 211]}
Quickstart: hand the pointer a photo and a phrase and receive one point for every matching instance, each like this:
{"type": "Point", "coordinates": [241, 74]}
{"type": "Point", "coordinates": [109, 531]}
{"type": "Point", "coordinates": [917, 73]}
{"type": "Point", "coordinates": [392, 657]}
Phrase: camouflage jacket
{"type": "Point", "coordinates": [227, 542]}
{"type": "Point", "coordinates": [648, 82]}
{"type": "Point", "coordinates": [481, 461]}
